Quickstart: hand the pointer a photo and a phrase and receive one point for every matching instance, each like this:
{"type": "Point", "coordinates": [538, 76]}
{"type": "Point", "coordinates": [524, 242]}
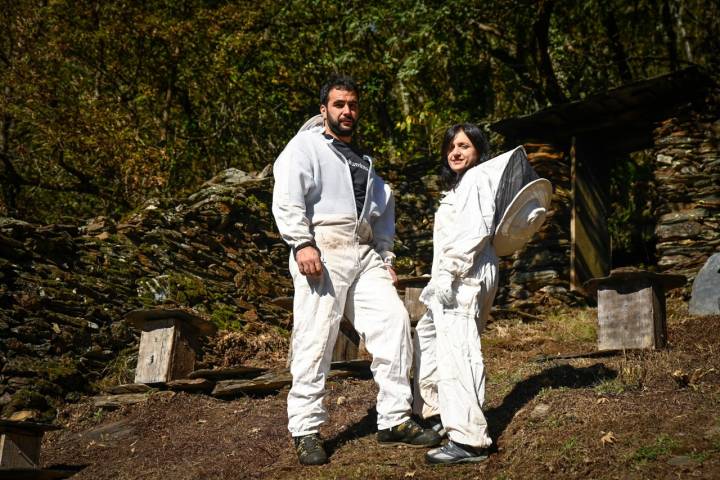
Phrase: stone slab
{"type": "Point", "coordinates": [226, 373]}
{"type": "Point", "coordinates": [266, 383]}
{"type": "Point", "coordinates": [705, 299]}
{"type": "Point", "coordinates": [191, 385]}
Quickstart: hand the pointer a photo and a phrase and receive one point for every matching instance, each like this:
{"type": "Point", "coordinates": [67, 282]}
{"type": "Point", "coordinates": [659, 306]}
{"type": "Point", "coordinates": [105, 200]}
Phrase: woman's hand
{"type": "Point", "coordinates": [444, 289]}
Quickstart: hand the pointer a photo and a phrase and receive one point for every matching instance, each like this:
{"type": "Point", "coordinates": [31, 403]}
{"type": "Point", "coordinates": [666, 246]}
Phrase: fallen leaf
{"type": "Point", "coordinates": [608, 438]}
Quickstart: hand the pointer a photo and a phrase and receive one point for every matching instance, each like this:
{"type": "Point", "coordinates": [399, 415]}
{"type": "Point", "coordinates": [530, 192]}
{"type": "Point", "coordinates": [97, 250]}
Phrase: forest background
{"type": "Point", "coordinates": [105, 104]}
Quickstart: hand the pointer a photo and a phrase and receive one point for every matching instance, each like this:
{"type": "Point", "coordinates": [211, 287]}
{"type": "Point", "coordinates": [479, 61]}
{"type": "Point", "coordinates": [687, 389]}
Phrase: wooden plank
{"type": "Point", "coordinates": [589, 234]}
{"type": "Point", "coordinates": [26, 427]}
{"type": "Point", "coordinates": [20, 450]}
{"type": "Point", "coordinates": [54, 473]}
{"type": "Point", "coordinates": [182, 356]}
{"type": "Point", "coordinates": [156, 342]}
{"type": "Point", "coordinates": [138, 319]}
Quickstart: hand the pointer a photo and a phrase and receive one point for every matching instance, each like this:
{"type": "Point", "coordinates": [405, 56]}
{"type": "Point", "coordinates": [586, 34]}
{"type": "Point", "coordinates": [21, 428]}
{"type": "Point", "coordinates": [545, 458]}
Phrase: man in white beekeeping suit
{"type": "Point", "coordinates": [338, 217]}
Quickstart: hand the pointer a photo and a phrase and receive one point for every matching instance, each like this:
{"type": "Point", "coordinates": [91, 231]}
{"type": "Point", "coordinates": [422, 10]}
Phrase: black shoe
{"type": "Point", "coordinates": [310, 449]}
{"type": "Point", "coordinates": [452, 453]}
{"type": "Point", "coordinates": [435, 423]}
{"type": "Point", "coordinates": [410, 434]}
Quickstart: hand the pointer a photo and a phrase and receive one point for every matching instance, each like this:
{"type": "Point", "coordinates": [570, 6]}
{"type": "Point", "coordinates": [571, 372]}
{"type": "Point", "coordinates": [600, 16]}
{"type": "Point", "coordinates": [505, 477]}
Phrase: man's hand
{"type": "Point", "coordinates": [308, 261]}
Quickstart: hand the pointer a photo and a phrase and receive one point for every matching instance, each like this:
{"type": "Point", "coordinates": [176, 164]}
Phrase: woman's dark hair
{"type": "Point", "coordinates": [449, 178]}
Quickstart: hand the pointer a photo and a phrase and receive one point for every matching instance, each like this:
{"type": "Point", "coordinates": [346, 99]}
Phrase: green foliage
{"type": "Point", "coordinates": [105, 104]}
{"type": "Point", "coordinates": [632, 204]}
{"type": "Point", "coordinates": [225, 317]}
{"type": "Point", "coordinates": [663, 445]}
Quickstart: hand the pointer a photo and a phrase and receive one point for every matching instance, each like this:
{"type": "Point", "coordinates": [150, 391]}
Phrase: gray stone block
{"type": "Point", "coordinates": [705, 298]}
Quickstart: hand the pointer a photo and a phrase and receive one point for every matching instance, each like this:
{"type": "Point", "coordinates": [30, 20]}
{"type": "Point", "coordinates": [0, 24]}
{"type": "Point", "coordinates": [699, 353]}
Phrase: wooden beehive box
{"type": "Point", "coordinates": [20, 443]}
{"type": "Point", "coordinates": [631, 308]}
{"type": "Point", "coordinates": [169, 340]}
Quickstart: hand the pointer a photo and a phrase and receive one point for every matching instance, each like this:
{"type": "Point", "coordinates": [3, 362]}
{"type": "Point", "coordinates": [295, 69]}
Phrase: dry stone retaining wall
{"type": "Point", "coordinates": [65, 289]}
{"type": "Point", "coordinates": [687, 176]}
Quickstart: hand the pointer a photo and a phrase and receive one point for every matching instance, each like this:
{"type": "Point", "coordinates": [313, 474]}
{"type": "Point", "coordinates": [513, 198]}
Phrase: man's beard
{"type": "Point", "coordinates": [338, 129]}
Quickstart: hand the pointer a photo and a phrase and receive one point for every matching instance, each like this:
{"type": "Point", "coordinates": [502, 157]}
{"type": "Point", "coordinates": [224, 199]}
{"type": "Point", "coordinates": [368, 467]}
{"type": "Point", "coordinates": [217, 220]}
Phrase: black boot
{"type": "Point", "coordinates": [410, 434]}
{"type": "Point", "coordinates": [310, 449]}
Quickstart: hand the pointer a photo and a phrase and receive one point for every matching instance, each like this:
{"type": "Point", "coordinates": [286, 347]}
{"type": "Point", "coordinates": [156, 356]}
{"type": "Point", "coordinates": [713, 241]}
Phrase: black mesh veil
{"type": "Point", "coordinates": [517, 173]}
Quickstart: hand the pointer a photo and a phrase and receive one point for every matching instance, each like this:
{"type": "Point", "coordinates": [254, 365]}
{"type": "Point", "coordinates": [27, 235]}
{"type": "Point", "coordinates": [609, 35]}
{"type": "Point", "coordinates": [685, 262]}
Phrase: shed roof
{"type": "Point", "coordinates": [623, 115]}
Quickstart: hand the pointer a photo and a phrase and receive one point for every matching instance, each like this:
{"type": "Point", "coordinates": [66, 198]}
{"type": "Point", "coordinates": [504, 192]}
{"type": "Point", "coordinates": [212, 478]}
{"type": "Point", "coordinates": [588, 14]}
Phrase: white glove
{"type": "Point", "coordinates": [443, 289]}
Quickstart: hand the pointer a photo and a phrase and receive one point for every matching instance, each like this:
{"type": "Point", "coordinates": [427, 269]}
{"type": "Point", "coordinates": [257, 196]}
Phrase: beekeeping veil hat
{"type": "Point", "coordinates": [312, 122]}
{"type": "Point", "coordinates": [521, 200]}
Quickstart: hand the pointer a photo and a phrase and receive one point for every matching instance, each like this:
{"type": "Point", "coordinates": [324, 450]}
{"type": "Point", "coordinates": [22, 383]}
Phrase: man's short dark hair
{"type": "Point", "coordinates": [341, 82]}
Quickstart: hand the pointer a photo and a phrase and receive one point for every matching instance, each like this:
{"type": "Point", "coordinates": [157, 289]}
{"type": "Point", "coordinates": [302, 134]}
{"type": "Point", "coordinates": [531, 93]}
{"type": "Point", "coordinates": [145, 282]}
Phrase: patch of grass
{"type": "Point", "coordinates": [569, 446]}
{"type": "Point", "coordinates": [662, 446]}
{"type": "Point", "coordinates": [119, 371]}
{"type": "Point", "coordinates": [631, 377]}
{"type": "Point", "coordinates": [632, 374]}
{"type": "Point", "coordinates": [610, 386]}
{"type": "Point", "coordinates": [700, 457]}
{"type": "Point", "coordinates": [716, 444]}
{"type": "Point", "coordinates": [578, 325]}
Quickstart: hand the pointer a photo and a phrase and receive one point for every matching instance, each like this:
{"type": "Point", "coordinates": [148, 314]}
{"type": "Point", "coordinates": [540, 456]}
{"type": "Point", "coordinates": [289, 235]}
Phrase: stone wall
{"type": "Point", "coordinates": [64, 289]}
{"type": "Point", "coordinates": [687, 178]}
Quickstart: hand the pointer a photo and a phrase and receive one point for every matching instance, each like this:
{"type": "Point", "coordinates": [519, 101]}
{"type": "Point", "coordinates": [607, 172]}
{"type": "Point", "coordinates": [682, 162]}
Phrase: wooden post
{"type": "Point", "coordinates": [347, 345]}
{"type": "Point", "coordinates": [169, 341]}
{"type": "Point", "coordinates": [631, 308]}
{"type": "Point", "coordinates": [411, 288]}
{"type": "Point", "coordinates": [20, 443]}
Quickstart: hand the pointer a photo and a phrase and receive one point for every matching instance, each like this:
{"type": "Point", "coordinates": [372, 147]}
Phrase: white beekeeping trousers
{"type": "Point", "coordinates": [354, 283]}
{"type": "Point", "coordinates": [449, 370]}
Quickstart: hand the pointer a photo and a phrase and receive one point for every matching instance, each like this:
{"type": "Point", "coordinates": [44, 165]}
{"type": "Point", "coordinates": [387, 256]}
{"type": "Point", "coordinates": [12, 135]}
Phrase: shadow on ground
{"type": "Point", "coordinates": [554, 377]}
{"type": "Point", "coordinates": [366, 426]}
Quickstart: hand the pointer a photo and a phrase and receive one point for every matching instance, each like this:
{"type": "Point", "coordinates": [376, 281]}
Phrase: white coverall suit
{"type": "Point", "coordinates": [449, 371]}
{"type": "Point", "coordinates": [313, 200]}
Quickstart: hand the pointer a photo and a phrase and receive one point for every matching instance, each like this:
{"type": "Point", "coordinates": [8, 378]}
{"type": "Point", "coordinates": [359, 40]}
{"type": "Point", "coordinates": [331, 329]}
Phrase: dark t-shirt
{"type": "Point", "coordinates": [359, 169]}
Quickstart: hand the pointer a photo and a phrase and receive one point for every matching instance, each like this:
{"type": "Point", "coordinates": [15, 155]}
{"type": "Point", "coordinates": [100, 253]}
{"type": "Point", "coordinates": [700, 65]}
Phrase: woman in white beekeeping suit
{"type": "Point", "coordinates": [449, 372]}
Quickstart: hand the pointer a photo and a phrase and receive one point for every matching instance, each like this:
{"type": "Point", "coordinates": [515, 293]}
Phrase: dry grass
{"type": "Point", "coordinates": [637, 415]}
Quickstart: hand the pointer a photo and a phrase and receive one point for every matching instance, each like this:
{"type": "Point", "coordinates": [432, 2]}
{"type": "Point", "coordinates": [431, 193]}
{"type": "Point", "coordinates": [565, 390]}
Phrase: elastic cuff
{"type": "Point", "coordinates": [388, 257]}
{"type": "Point", "coordinates": [301, 245]}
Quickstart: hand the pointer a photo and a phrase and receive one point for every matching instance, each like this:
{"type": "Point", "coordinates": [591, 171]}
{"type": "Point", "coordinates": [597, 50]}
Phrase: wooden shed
{"type": "Point", "coordinates": [675, 119]}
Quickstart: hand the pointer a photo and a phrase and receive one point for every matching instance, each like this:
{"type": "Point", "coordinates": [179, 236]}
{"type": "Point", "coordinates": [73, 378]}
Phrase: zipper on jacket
{"type": "Point", "coordinates": [352, 188]}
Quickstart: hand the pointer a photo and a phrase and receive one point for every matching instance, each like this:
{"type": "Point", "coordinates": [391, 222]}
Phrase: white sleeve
{"type": "Point", "coordinates": [384, 227]}
{"type": "Point", "coordinates": [293, 172]}
{"type": "Point", "coordinates": [474, 209]}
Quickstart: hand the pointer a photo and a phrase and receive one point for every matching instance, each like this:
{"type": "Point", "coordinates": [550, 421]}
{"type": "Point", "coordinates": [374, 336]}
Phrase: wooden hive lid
{"type": "Point", "coordinates": [138, 318]}
{"type": "Point", "coordinates": [620, 276]}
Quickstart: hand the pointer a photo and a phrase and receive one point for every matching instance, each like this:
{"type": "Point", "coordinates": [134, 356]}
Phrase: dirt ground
{"type": "Point", "coordinates": [649, 415]}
